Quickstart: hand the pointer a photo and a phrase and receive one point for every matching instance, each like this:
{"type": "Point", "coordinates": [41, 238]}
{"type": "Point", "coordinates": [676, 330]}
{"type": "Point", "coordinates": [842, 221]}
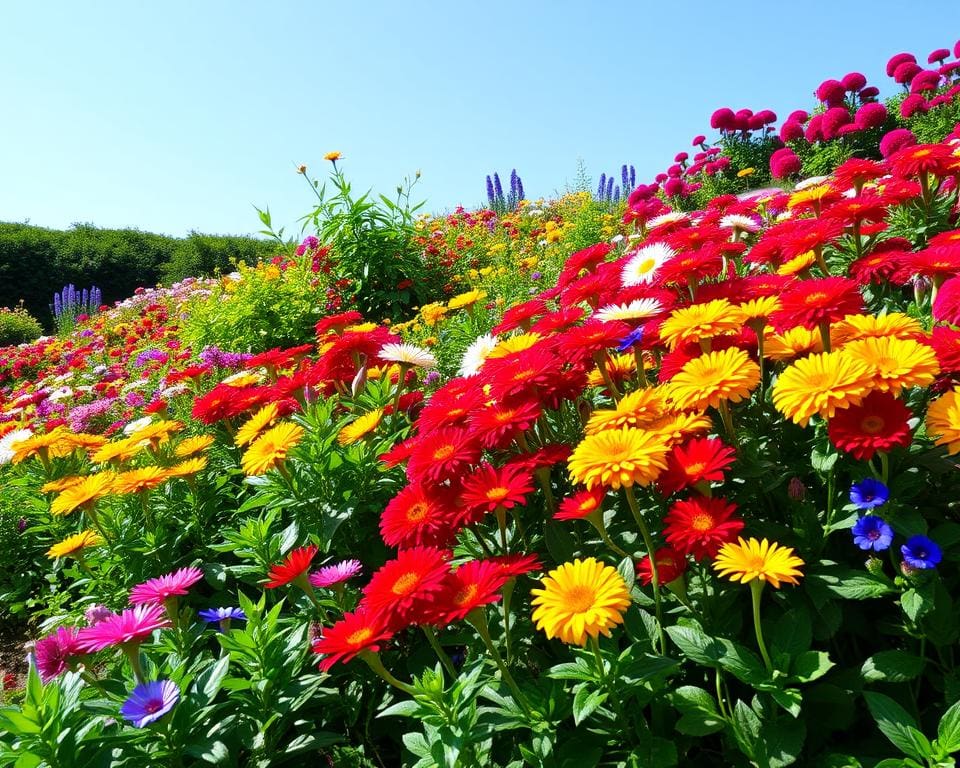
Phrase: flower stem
{"type": "Point", "coordinates": [478, 619]}
{"type": "Point", "coordinates": [438, 649]}
{"type": "Point", "coordinates": [373, 661]}
{"type": "Point", "coordinates": [652, 554]}
{"type": "Point", "coordinates": [756, 588]}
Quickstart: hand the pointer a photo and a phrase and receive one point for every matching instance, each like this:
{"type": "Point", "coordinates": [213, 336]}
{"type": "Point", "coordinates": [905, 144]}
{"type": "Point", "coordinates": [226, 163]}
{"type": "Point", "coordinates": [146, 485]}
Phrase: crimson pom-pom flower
{"type": "Point", "coordinates": [925, 80]}
{"type": "Point", "coordinates": [853, 81]}
{"type": "Point", "coordinates": [700, 525]}
{"type": "Point", "coordinates": [441, 455]}
{"type": "Point", "coordinates": [833, 120]}
{"type": "Point", "coordinates": [831, 92]}
{"type": "Point", "coordinates": [474, 584]}
{"type": "Point", "coordinates": [155, 591]}
{"type": "Point", "coordinates": [879, 423]}
{"type": "Point", "coordinates": [131, 626]}
{"type": "Point", "coordinates": [906, 72]}
{"type": "Point", "coordinates": [791, 131]}
{"type": "Point", "coordinates": [419, 516]}
{"type": "Point", "coordinates": [913, 104]}
{"type": "Point", "coordinates": [354, 633]}
{"type": "Point", "coordinates": [811, 303]}
{"type": "Point", "coordinates": [670, 567]}
{"type": "Point", "coordinates": [491, 487]}
{"type": "Point", "coordinates": [700, 460]}
{"type": "Point", "coordinates": [784, 163]}
{"type": "Point", "coordinates": [870, 115]}
{"type": "Point", "coordinates": [404, 589]}
{"type": "Point", "coordinates": [295, 565]}
{"type": "Point", "coordinates": [895, 140]}
{"type": "Point", "coordinates": [896, 60]}
{"type": "Point", "coordinates": [698, 140]}
{"type": "Point", "coordinates": [723, 119]}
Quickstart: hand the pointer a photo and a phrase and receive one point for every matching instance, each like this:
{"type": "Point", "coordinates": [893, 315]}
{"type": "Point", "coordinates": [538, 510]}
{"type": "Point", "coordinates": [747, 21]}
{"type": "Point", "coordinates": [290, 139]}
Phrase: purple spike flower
{"type": "Point", "coordinates": [491, 197]}
{"type": "Point", "coordinates": [498, 188]}
{"type": "Point", "coordinates": [602, 186]}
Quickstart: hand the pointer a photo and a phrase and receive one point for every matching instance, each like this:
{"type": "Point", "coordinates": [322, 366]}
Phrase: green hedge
{"type": "Point", "coordinates": [36, 262]}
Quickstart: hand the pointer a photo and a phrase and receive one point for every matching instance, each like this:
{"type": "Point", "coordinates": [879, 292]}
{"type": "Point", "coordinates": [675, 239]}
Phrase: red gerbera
{"type": "Point", "coordinates": [879, 423]}
{"type": "Point", "coordinates": [946, 307]}
{"type": "Point", "coordinates": [490, 487]}
{"type": "Point", "coordinates": [516, 565]}
{"type": "Point", "coordinates": [882, 262]}
{"type": "Point", "coordinates": [419, 516]}
{"type": "Point", "coordinates": [354, 633]}
{"type": "Point", "coordinates": [700, 525]}
{"type": "Point", "coordinates": [691, 267]}
{"type": "Point", "coordinates": [336, 323]}
{"type": "Point", "coordinates": [938, 262]}
{"type": "Point", "coordinates": [593, 336]}
{"type": "Point", "coordinates": [521, 372]}
{"type": "Point", "coordinates": [497, 424]}
{"type": "Point", "coordinates": [557, 321]}
{"type": "Point", "coordinates": [519, 316]}
{"type": "Point", "coordinates": [670, 567]}
{"type": "Point", "coordinates": [473, 584]}
{"type": "Point", "coordinates": [701, 460]}
{"type": "Point", "coordinates": [544, 456]}
{"type": "Point", "coordinates": [798, 236]}
{"type": "Point", "coordinates": [935, 159]}
{"type": "Point", "coordinates": [853, 173]}
{"type": "Point", "coordinates": [405, 588]}
{"type": "Point", "coordinates": [587, 259]}
{"type": "Point", "coordinates": [811, 303]}
{"type": "Point", "coordinates": [295, 565]}
{"type": "Point", "coordinates": [946, 343]}
{"type": "Point", "coordinates": [451, 404]}
{"type": "Point", "coordinates": [442, 455]}
{"type": "Point", "coordinates": [580, 505]}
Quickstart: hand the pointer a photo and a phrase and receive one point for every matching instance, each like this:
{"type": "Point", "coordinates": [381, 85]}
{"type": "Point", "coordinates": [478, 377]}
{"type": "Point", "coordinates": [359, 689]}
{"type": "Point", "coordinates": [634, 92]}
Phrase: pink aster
{"type": "Point", "coordinates": [54, 653]}
{"type": "Point", "coordinates": [133, 625]}
{"type": "Point", "coordinates": [155, 591]}
{"type": "Point", "coordinates": [331, 575]}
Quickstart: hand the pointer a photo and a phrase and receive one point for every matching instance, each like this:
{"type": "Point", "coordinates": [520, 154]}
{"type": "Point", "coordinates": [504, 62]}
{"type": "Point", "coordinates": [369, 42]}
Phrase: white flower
{"type": "Point", "coordinates": [736, 221]}
{"type": "Point", "coordinates": [643, 265]}
{"type": "Point", "coordinates": [62, 393]}
{"type": "Point", "coordinates": [9, 442]}
{"type": "Point", "coordinates": [476, 354]}
{"type": "Point", "coordinates": [176, 389]}
{"type": "Point", "coordinates": [666, 218]}
{"type": "Point", "coordinates": [258, 372]}
{"type": "Point", "coordinates": [811, 182]}
{"type": "Point", "coordinates": [639, 309]}
{"type": "Point", "coordinates": [137, 424]}
{"type": "Point", "coordinates": [616, 239]}
{"type": "Point", "coordinates": [408, 354]}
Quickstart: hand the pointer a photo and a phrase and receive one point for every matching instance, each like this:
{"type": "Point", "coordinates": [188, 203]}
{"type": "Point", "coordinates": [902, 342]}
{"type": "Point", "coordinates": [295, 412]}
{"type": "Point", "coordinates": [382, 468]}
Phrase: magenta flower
{"type": "Point", "coordinates": [133, 625]}
{"type": "Point", "coordinates": [330, 575]}
{"type": "Point", "coordinates": [54, 652]}
{"type": "Point", "coordinates": [155, 591]}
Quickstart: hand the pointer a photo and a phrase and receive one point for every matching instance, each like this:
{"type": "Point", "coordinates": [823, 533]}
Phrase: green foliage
{"type": "Point", "coordinates": [18, 326]}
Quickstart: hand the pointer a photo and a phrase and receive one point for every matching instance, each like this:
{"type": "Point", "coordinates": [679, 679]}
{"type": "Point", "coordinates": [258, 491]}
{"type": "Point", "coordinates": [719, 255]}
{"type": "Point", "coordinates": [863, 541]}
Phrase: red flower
{"type": "Point", "coordinates": [593, 336]}
{"type": "Point", "coordinates": [701, 460]}
{"type": "Point", "coordinates": [580, 505]}
{"type": "Point", "coordinates": [879, 423]}
{"type": "Point", "coordinates": [473, 584]}
{"type": "Point", "coordinates": [336, 323]}
{"type": "Point", "coordinates": [489, 488]}
{"type": "Point", "coordinates": [353, 634]}
{"type": "Point", "coordinates": [516, 565]}
{"type": "Point", "coordinates": [296, 564]}
{"type": "Point", "coordinates": [946, 307]}
{"type": "Point", "coordinates": [519, 316]}
{"type": "Point", "coordinates": [496, 425]}
{"type": "Point", "coordinates": [935, 159]}
{"type": "Point", "coordinates": [521, 373]}
{"type": "Point", "coordinates": [442, 455]}
{"type": "Point", "coordinates": [946, 343]}
{"type": "Point", "coordinates": [700, 525]}
{"type": "Point", "coordinates": [670, 567]}
{"type": "Point", "coordinates": [812, 302]}
{"type": "Point", "coordinates": [938, 262]}
{"type": "Point", "coordinates": [406, 587]}
{"type": "Point", "coordinates": [418, 516]}
{"type": "Point", "coordinates": [451, 404]}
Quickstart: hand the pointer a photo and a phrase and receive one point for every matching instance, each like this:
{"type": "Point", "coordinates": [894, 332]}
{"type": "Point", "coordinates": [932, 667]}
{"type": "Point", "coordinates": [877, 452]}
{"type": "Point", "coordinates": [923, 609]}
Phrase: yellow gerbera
{"type": "Point", "coordinates": [636, 409]}
{"type": "Point", "coordinates": [758, 309]}
{"type": "Point", "coordinates": [821, 384]}
{"type": "Point", "coordinates": [141, 479]}
{"type": "Point", "coordinates": [193, 445]}
{"type": "Point", "coordinates": [75, 543]}
{"type": "Point", "coordinates": [896, 363]}
{"type": "Point", "coordinates": [271, 448]}
{"type": "Point", "coordinates": [360, 427]}
{"type": "Point", "coordinates": [706, 381]}
{"type": "Point", "coordinates": [83, 494]}
{"type": "Point", "coordinates": [619, 367]}
{"type": "Point", "coordinates": [513, 344]}
{"type": "Point", "coordinates": [677, 427]}
{"type": "Point", "coordinates": [467, 299]}
{"type": "Point", "coordinates": [797, 264]}
{"type": "Point", "coordinates": [700, 321]}
{"type": "Point", "coordinates": [55, 486]}
{"type": "Point", "coordinates": [120, 450]}
{"type": "Point", "coordinates": [854, 327]}
{"type": "Point", "coordinates": [619, 457]}
{"type": "Point", "coordinates": [792, 343]}
{"type": "Point", "coordinates": [157, 432]}
{"type": "Point", "coordinates": [763, 560]}
{"type": "Point", "coordinates": [49, 445]}
{"type": "Point", "coordinates": [253, 426]}
{"type": "Point", "coordinates": [85, 441]}
{"type": "Point", "coordinates": [580, 599]}
{"type": "Point", "coordinates": [189, 467]}
{"type": "Point", "coordinates": [943, 421]}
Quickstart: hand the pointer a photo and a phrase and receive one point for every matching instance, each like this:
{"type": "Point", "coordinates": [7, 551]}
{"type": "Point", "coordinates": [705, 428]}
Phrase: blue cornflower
{"type": "Point", "coordinates": [872, 532]}
{"type": "Point", "coordinates": [869, 493]}
{"type": "Point", "coordinates": [219, 614]}
{"type": "Point", "coordinates": [920, 552]}
{"type": "Point", "coordinates": [634, 337]}
{"type": "Point", "coordinates": [150, 701]}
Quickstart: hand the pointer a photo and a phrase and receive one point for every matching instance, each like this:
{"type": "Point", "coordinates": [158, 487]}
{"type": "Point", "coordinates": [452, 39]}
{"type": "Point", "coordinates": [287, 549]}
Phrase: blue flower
{"type": "Point", "coordinates": [634, 337]}
{"type": "Point", "coordinates": [222, 616]}
{"type": "Point", "coordinates": [872, 532]}
{"type": "Point", "coordinates": [869, 494]}
{"type": "Point", "coordinates": [920, 552]}
{"type": "Point", "coordinates": [150, 701]}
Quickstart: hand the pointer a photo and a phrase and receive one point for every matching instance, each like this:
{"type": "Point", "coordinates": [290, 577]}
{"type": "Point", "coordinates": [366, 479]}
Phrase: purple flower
{"type": "Point", "coordinates": [335, 574]}
{"type": "Point", "coordinates": [634, 337]}
{"type": "Point", "coordinates": [150, 701]}
{"type": "Point", "coordinates": [211, 615]}
{"type": "Point", "coordinates": [872, 532]}
{"type": "Point", "coordinates": [869, 493]}
{"type": "Point", "coordinates": [920, 552]}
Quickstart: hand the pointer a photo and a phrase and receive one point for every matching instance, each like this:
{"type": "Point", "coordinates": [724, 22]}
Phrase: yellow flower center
{"type": "Point", "coordinates": [580, 599]}
{"type": "Point", "coordinates": [466, 595]}
{"type": "Point", "coordinates": [815, 298]}
{"type": "Point", "coordinates": [497, 494]}
{"type": "Point", "coordinates": [443, 452]}
{"type": "Point", "coordinates": [696, 468]}
{"type": "Point", "coordinates": [360, 637]}
{"type": "Point", "coordinates": [418, 512]}
{"type": "Point", "coordinates": [406, 583]}
{"type": "Point", "coordinates": [646, 266]}
{"type": "Point", "coordinates": [504, 417]}
{"type": "Point", "coordinates": [701, 522]}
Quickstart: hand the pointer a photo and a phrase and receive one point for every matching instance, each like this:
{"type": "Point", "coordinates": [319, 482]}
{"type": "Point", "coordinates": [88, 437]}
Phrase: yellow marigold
{"type": "Point", "coordinates": [619, 367]}
{"type": "Point", "coordinates": [121, 450]}
{"type": "Point", "coordinates": [714, 378]}
{"type": "Point", "coordinates": [636, 409]}
{"type": "Point", "coordinates": [677, 427]}
{"type": "Point", "coordinates": [792, 343]}
{"type": "Point", "coordinates": [360, 427]}
{"type": "Point", "coordinates": [797, 264]}
{"type": "Point", "coordinates": [433, 313]}
{"type": "Point", "coordinates": [943, 421]}
{"type": "Point", "coordinates": [758, 309]}
{"type": "Point", "coordinates": [141, 479]}
{"type": "Point", "coordinates": [253, 426]}
{"type": "Point", "coordinates": [579, 600]}
{"type": "Point", "coordinates": [271, 448]}
{"type": "Point", "coordinates": [618, 458]}
{"type": "Point", "coordinates": [50, 445]}
{"type": "Point", "coordinates": [82, 494]}
{"type": "Point", "coordinates": [332, 156]}
{"type": "Point", "coordinates": [189, 467]}
{"type": "Point", "coordinates": [700, 321]}
{"type": "Point", "coordinates": [763, 560]}
{"type": "Point", "coordinates": [854, 327]}
{"type": "Point", "coordinates": [158, 431]}
{"type": "Point", "coordinates": [55, 486]}
{"type": "Point", "coordinates": [821, 384]}
{"type": "Point", "coordinates": [74, 544]}
{"type": "Point", "coordinates": [467, 299]}
{"type": "Point", "coordinates": [896, 363]}
{"type": "Point", "coordinates": [512, 344]}
{"type": "Point", "coordinates": [193, 445]}
{"type": "Point", "coordinates": [744, 172]}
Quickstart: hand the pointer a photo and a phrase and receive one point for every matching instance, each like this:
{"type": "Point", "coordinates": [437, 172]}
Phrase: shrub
{"type": "Point", "coordinates": [17, 326]}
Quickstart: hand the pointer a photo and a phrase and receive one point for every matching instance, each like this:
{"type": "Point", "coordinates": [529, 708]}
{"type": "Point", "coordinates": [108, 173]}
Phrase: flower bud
{"type": "Point", "coordinates": [874, 565]}
{"type": "Point", "coordinates": [796, 489]}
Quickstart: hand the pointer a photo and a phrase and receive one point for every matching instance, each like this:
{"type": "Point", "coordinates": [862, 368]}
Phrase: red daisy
{"type": "Point", "coordinates": [883, 261]}
{"type": "Point", "coordinates": [700, 525]}
{"type": "Point", "coordinates": [801, 235]}
{"type": "Point", "coordinates": [354, 633]}
{"type": "Point", "coordinates": [544, 456]}
{"type": "Point", "coordinates": [946, 307]}
{"type": "Point", "coordinates": [295, 565]}
{"type": "Point", "coordinates": [691, 267]}
{"type": "Point", "coordinates": [450, 405]}
{"type": "Point", "coordinates": [946, 343]}
{"type": "Point", "coordinates": [935, 159]}
{"type": "Point", "coordinates": [853, 173]}
{"type": "Point", "coordinates": [580, 505]}
{"type": "Point", "coordinates": [336, 323]}
{"type": "Point", "coordinates": [441, 455]}
{"type": "Point", "coordinates": [520, 316]}
{"type": "Point", "coordinates": [593, 336]}
{"type": "Point", "coordinates": [521, 372]}
{"type": "Point", "coordinates": [700, 460]}
{"type": "Point", "coordinates": [587, 259]}
{"type": "Point", "coordinates": [938, 262]}
{"type": "Point", "coordinates": [403, 589]}
{"type": "Point", "coordinates": [879, 423]}
{"type": "Point", "coordinates": [516, 565]}
{"type": "Point", "coordinates": [559, 320]}
{"type": "Point", "coordinates": [419, 516]}
{"type": "Point", "coordinates": [811, 303]}
{"type": "Point", "coordinates": [670, 567]}
{"type": "Point", "coordinates": [474, 584]}
{"type": "Point", "coordinates": [489, 488]}
{"type": "Point", "coordinates": [497, 424]}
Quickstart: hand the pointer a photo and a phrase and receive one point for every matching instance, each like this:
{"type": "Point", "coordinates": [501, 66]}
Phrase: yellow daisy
{"type": "Point", "coordinates": [636, 409]}
{"type": "Point", "coordinates": [618, 458]}
{"type": "Point", "coordinates": [513, 344]}
{"type": "Point", "coordinates": [821, 384]}
{"type": "Point", "coordinates": [466, 300]}
{"type": "Point", "coordinates": [943, 421]}
{"type": "Point", "coordinates": [253, 426]}
{"type": "Point", "coordinates": [795, 342]}
{"type": "Point", "coordinates": [797, 264]}
{"type": "Point", "coordinates": [896, 363]}
{"type": "Point", "coordinates": [700, 322]}
{"type": "Point", "coordinates": [83, 494]}
{"type": "Point", "coordinates": [360, 427]}
{"type": "Point", "coordinates": [119, 450]}
{"type": "Point", "coordinates": [854, 327]}
{"type": "Point", "coordinates": [763, 560]}
{"type": "Point", "coordinates": [193, 445]}
{"type": "Point", "coordinates": [74, 544]}
{"type": "Point", "coordinates": [709, 380]}
{"type": "Point", "coordinates": [141, 479]}
{"type": "Point", "coordinates": [189, 467]}
{"type": "Point", "coordinates": [271, 448]}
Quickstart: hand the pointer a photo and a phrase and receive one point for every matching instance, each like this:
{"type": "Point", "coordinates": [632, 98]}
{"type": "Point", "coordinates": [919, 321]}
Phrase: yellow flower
{"type": "Point", "coordinates": [896, 363]}
{"type": "Point", "coordinates": [797, 264]}
{"type": "Point", "coordinates": [513, 344]}
{"type": "Point", "coordinates": [271, 448]}
{"type": "Point", "coordinates": [714, 378]}
{"type": "Point", "coordinates": [83, 494]}
{"type": "Point", "coordinates": [75, 543]}
{"type": "Point", "coordinates": [821, 384]}
{"type": "Point", "coordinates": [360, 427]}
{"type": "Point", "coordinates": [243, 379]}
{"type": "Point", "coordinates": [580, 599]}
{"type": "Point", "coordinates": [467, 299]}
{"type": "Point", "coordinates": [793, 343]}
{"type": "Point", "coordinates": [758, 309]}
{"type": "Point", "coordinates": [361, 327]}
{"type": "Point", "coordinates": [618, 366]}
{"type": "Point", "coordinates": [744, 172]}
{"type": "Point", "coordinates": [677, 427]}
{"type": "Point", "coordinates": [52, 444]}
{"type": "Point", "coordinates": [700, 321]}
{"type": "Point", "coordinates": [640, 408]}
{"type": "Point", "coordinates": [256, 424]}
{"type": "Point", "coordinates": [854, 327]}
{"type": "Point", "coordinates": [158, 431]}
{"type": "Point", "coordinates": [189, 467]}
{"type": "Point", "coordinates": [433, 313]}
{"type": "Point", "coordinates": [55, 486]}
{"type": "Point", "coordinates": [121, 450]}
{"type": "Point", "coordinates": [618, 457]}
{"type": "Point", "coordinates": [943, 421]}
{"type": "Point", "coordinates": [142, 479]}
{"type": "Point", "coordinates": [812, 195]}
{"type": "Point", "coordinates": [332, 156]}
{"type": "Point", "coordinates": [763, 560]}
{"type": "Point", "coordinates": [193, 445]}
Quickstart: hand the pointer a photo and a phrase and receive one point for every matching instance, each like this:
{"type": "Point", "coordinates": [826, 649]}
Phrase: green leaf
{"type": "Point", "coordinates": [851, 584]}
{"type": "Point", "coordinates": [586, 702]}
{"type": "Point", "coordinates": [898, 726]}
{"type": "Point", "coordinates": [416, 743]}
{"type": "Point", "coordinates": [560, 541]}
{"type": "Point", "coordinates": [746, 730]}
{"type": "Point", "coordinates": [891, 667]}
{"type": "Point", "coordinates": [823, 462]}
{"type": "Point", "coordinates": [627, 570]}
{"type": "Point", "coordinates": [789, 698]}
{"type": "Point", "coordinates": [718, 652]}
{"type": "Point", "coordinates": [792, 633]}
{"type": "Point", "coordinates": [783, 741]}
{"type": "Point", "coordinates": [699, 715]}
{"type": "Point", "coordinates": [810, 665]}
{"type": "Point", "coordinates": [916, 604]}
{"type": "Point", "coordinates": [405, 708]}
{"type": "Point", "coordinates": [948, 731]}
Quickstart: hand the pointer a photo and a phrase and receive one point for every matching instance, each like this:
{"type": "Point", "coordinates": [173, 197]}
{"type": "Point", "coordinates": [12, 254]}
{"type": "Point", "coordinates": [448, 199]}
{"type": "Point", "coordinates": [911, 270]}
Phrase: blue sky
{"type": "Point", "coordinates": [171, 116]}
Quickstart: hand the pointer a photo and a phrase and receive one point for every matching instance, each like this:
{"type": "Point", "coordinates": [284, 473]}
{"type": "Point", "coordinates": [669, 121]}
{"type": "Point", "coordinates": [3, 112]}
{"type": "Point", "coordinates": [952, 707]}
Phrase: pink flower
{"type": "Point", "coordinates": [831, 92]}
{"type": "Point", "coordinates": [912, 104]}
{"type": "Point", "coordinates": [853, 81]}
{"type": "Point", "coordinates": [723, 119]}
{"type": "Point", "coordinates": [133, 625]}
{"type": "Point", "coordinates": [938, 55]}
{"type": "Point", "coordinates": [97, 613]}
{"type": "Point", "coordinates": [54, 652]}
{"type": "Point", "coordinates": [330, 575]}
{"type": "Point", "coordinates": [898, 59]}
{"type": "Point", "coordinates": [895, 140]}
{"type": "Point", "coordinates": [925, 80]}
{"type": "Point", "coordinates": [698, 140]}
{"type": "Point", "coordinates": [155, 591]}
{"type": "Point", "coordinates": [833, 120]}
{"type": "Point", "coordinates": [905, 72]}
{"type": "Point", "coordinates": [783, 163]}
{"type": "Point", "coordinates": [870, 92]}
{"type": "Point", "coordinates": [871, 115]}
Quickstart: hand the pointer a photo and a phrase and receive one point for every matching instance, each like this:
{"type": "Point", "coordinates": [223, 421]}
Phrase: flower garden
{"type": "Point", "coordinates": [661, 476]}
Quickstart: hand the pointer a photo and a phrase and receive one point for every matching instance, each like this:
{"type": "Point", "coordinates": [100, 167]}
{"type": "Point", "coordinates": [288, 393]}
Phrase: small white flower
{"type": "Point", "coordinates": [639, 309]}
{"type": "Point", "coordinates": [408, 354]}
{"type": "Point", "coordinates": [176, 389]}
{"type": "Point", "coordinates": [643, 265]}
{"type": "Point", "coordinates": [9, 442]}
{"type": "Point", "coordinates": [811, 182]}
{"type": "Point", "coordinates": [736, 221]}
{"type": "Point", "coordinates": [476, 354]}
{"type": "Point", "coordinates": [666, 218]}
{"type": "Point", "coordinates": [616, 239]}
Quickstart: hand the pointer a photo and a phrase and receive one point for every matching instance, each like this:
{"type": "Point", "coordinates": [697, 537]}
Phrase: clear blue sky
{"type": "Point", "coordinates": [171, 116]}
